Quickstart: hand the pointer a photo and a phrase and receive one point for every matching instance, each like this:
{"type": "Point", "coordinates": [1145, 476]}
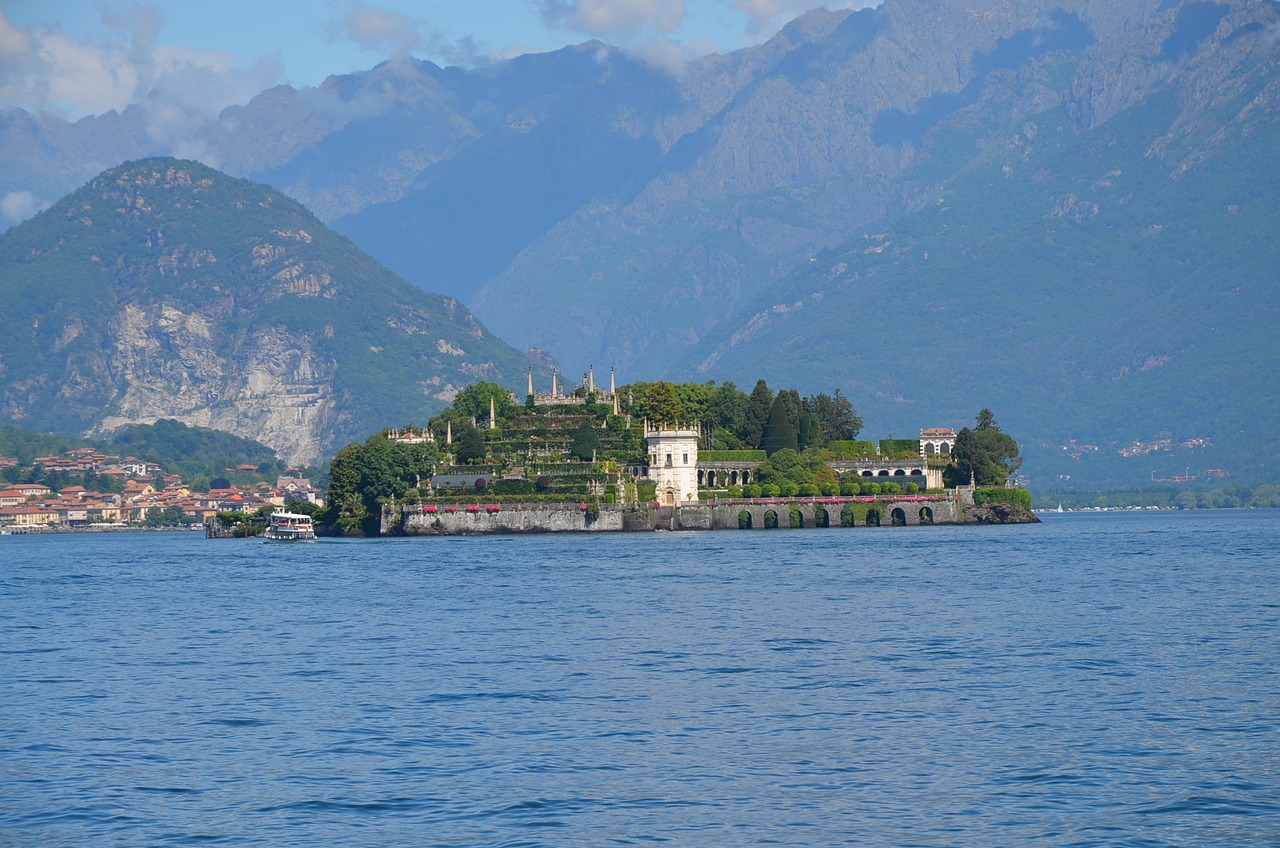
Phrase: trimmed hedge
{"type": "Point", "coordinates": [852, 448]}
{"type": "Point", "coordinates": [899, 448]}
{"type": "Point", "coordinates": [999, 494]}
{"type": "Point", "coordinates": [733, 455]}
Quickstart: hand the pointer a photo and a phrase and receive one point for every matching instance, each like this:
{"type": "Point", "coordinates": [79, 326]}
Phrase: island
{"type": "Point", "coordinates": [664, 456]}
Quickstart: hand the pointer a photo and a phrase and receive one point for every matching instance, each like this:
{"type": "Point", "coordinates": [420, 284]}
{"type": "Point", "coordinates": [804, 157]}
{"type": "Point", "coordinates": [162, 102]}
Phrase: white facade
{"type": "Point", "coordinates": [937, 441]}
{"type": "Point", "coordinates": [673, 463]}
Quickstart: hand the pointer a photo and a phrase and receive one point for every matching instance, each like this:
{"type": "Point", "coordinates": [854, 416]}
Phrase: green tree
{"type": "Point", "coordinates": [779, 434]}
{"type": "Point", "coordinates": [759, 405]}
{"type": "Point", "coordinates": [662, 405]}
{"type": "Point", "coordinates": [782, 466]}
{"type": "Point", "coordinates": [586, 441]}
{"type": "Point", "coordinates": [809, 433]}
{"type": "Point", "coordinates": [986, 420]}
{"type": "Point", "coordinates": [450, 419]}
{"type": "Point", "coordinates": [836, 417]}
{"type": "Point", "coordinates": [470, 446]}
{"type": "Point", "coordinates": [986, 457]}
{"type": "Point", "coordinates": [345, 505]}
{"type": "Point", "coordinates": [473, 402]}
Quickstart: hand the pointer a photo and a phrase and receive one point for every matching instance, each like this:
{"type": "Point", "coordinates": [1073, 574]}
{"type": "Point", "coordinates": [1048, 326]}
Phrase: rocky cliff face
{"type": "Point", "coordinates": [271, 385]}
{"type": "Point", "coordinates": [164, 289]}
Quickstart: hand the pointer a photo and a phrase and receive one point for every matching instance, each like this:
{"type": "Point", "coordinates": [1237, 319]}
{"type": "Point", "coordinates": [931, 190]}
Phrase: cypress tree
{"type": "Point", "coordinates": [778, 434]}
{"type": "Point", "coordinates": [586, 441]}
{"type": "Point", "coordinates": [758, 407]}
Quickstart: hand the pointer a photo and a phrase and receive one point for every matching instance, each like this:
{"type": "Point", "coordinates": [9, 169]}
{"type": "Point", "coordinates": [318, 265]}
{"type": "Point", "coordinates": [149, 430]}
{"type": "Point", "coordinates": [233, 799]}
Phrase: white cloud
{"type": "Point", "coordinates": [766, 17]}
{"type": "Point", "coordinates": [393, 34]}
{"type": "Point", "coordinates": [618, 20]}
{"type": "Point", "coordinates": [44, 69]}
{"type": "Point", "coordinates": [667, 56]}
{"type": "Point", "coordinates": [18, 206]}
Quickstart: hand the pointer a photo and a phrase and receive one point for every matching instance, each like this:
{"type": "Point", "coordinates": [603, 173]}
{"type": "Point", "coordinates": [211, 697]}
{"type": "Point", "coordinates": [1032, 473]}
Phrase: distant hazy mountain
{"type": "Point", "coordinates": [750, 213]}
{"type": "Point", "coordinates": [165, 289]}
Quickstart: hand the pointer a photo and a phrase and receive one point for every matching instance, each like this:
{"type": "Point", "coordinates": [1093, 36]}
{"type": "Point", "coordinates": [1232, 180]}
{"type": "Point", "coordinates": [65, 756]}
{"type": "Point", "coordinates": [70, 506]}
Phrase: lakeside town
{"type": "Point", "coordinates": [127, 492]}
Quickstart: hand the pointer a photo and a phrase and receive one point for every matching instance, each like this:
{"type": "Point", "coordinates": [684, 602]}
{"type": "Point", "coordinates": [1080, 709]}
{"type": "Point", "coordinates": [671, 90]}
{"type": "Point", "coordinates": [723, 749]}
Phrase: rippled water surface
{"type": "Point", "coordinates": [1095, 680]}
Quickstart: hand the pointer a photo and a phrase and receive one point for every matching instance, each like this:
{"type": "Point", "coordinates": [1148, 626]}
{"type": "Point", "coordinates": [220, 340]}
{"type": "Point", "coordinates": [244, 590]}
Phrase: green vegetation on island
{"type": "Point", "coordinates": [590, 446]}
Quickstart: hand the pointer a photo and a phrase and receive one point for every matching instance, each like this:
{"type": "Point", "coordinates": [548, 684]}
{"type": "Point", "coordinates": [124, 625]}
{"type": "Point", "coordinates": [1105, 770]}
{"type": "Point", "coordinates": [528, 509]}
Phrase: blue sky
{"type": "Point", "coordinates": [78, 57]}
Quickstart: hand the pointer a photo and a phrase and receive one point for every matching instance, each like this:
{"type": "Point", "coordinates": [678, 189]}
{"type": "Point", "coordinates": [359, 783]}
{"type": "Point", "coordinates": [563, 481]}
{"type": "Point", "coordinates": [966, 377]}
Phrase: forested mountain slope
{"type": "Point", "coordinates": [165, 289]}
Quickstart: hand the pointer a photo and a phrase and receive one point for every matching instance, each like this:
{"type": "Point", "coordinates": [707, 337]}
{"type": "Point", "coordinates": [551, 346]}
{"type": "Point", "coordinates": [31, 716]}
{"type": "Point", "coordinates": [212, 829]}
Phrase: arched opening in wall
{"type": "Point", "coordinates": [946, 448]}
{"type": "Point", "coordinates": [873, 518]}
{"type": "Point", "coordinates": [711, 479]}
{"type": "Point", "coordinates": [928, 449]}
{"type": "Point", "coordinates": [746, 477]}
{"type": "Point", "coordinates": [796, 518]}
{"type": "Point", "coordinates": [702, 480]}
{"type": "Point", "coordinates": [846, 516]}
{"type": "Point", "coordinates": [733, 478]}
{"type": "Point", "coordinates": [898, 518]}
{"type": "Point", "coordinates": [744, 520]}
{"type": "Point", "coordinates": [821, 518]}
{"type": "Point", "coordinates": [868, 474]}
{"type": "Point", "coordinates": [884, 472]}
{"type": "Point", "coordinates": [669, 497]}
{"type": "Point", "coordinates": [926, 515]}
{"type": "Point", "coordinates": [900, 472]}
{"type": "Point", "coordinates": [771, 520]}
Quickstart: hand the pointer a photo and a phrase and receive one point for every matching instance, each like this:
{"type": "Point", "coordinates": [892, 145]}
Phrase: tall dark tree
{"type": "Point", "coordinates": [586, 441]}
{"type": "Point", "coordinates": [779, 434]}
{"type": "Point", "coordinates": [344, 502]}
{"type": "Point", "coordinates": [987, 457]}
{"type": "Point", "coordinates": [809, 433]}
{"type": "Point", "coordinates": [470, 446]}
{"type": "Point", "coordinates": [759, 404]}
{"type": "Point", "coordinates": [987, 420]}
{"type": "Point", "coordinates": [836, 417]}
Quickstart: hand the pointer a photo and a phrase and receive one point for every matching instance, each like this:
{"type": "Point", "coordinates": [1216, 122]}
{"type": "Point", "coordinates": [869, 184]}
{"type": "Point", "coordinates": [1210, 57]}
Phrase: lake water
{"type": "Point", "coordinates": [1109, 680]}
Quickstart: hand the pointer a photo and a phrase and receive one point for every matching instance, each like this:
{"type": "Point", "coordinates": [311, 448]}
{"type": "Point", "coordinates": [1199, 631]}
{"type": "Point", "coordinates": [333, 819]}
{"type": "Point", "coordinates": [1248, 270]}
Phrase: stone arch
{"type": "Point", "coordinates": [771, 519]}
{"type": "Point", "coordinates": [946, 448]}
{"type": "Point", "coordinates": [898, 518]}
{"type": "Point", "coordinates": [884, 472]}
{"type": "Point", "coordinates": [733, 478]}
{"type": "Point", "coordinates": [746, 477]}
{"type": "Point", "coordinates": [711, 479]}
{"type": "Point", "coordinates": [744, 520]}
{"type": "Point", "coordinates": [926, 515]}
{"type": "Point", "coordinates": [821, 517]}
{"type": "Point", "coordinates": [873, 518]}
{"type": "Point", "coordinates": [928, 449]}
{"type": "Point", "coordinates": [846, 516]}
{"type": "Point", "coordinates": [868, 473]}
{"type": "Point", "coordinates": [702, 478]}
{"type": "Point", "coordinates": [796, 517]}
{"type": "Point", "coordinates": [900, 472]}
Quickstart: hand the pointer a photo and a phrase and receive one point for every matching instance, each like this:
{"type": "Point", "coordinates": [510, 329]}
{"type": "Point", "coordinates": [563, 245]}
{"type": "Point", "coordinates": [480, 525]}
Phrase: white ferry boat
{"type": "Point", "coordinates": [290, 527]}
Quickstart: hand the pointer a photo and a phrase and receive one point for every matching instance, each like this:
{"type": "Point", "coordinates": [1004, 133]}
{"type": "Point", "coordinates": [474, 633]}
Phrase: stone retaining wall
{"type": "Point", "coordinates": [411, 520]}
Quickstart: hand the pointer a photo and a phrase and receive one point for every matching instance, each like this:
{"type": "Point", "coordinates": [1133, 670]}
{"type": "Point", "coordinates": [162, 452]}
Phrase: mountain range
{"type": "Point", "coordinates": [164, 289]}
{"type": "Point", "coordinates": [1060, 209]}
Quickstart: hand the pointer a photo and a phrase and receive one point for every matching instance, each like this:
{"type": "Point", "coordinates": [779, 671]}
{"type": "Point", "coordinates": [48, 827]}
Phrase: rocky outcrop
{"type": "Point", "coordinates": [270, 385]}
{"type": "Point", "coordinates": [999, 513]}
